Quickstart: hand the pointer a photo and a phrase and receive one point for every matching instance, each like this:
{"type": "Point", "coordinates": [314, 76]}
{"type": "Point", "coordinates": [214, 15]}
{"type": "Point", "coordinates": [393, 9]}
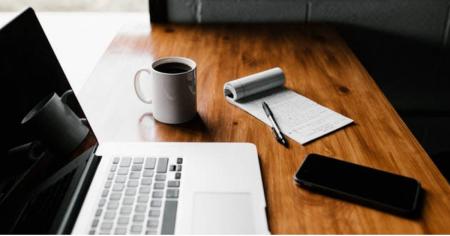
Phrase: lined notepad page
{"type": "Point", "coordinates": [298, 117]}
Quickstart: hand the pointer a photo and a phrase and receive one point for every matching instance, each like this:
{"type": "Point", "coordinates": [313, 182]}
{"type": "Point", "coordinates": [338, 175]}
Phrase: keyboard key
{"type": "Point", "coordinates": [159, 185]}
{"type": "Point", "coordinates": [136, 229]}
{"type": "Point", "coordinates": [95, 223]}
{"type": "Point", "coordinates": [122, 171]}
{"type": "Point", "coordinates": [140, 208]}
{"type": "Point", "coordinates": [109, 215]}
{"type": "Point", "coordinates": [158, 194]}
{"type": "Point", "coordinates": [146, 181]}
{"type": "Point", "coordinates": [106, 226]}
{"type": "Point", "coordinates": [123, 220]}
{"type": "Point", "coordinates": [156, 203]}
{"type": "Point", "coordinates": [151, 232]}
{"type": "Point", "coordinates": [135, 175]}
{"type": "Point", "coordinates": [150, 163]}
{"type": "Point", "coordinates": [121, 179]}
{"type": "Point", "coordinates": [115, 196]}
{"type": "Point", "coordinates": [112, 205]}
{"type": "Point", "coordinates": [102, 202]}
{"type": "Point", "coordinates": [136, 168]}
{"type": "Point", "coordinates": [120, 231]}
{"type": "Point", "coordinates": [113, 168]}
{"type": "Point", "coordinates": [130, 191]}
{"type": "Point", "coordinates": [110, 176]}
{"type": "Point", "coordinates": [154, 213]}
{"type": "Point", "coordinates": [162, 165]}
{"type": "Point", "coordinates": [105, 232]}
{"type": "Point", "coordinates": [92, 232]}
{"type": "Point", "coordinates": [168, 221]}
{"type": "Point", "coordinates": [172, 167]}
{"type": "Point", "coordinates": [144, 190]}
{"type": "Point", "coordinates": [132, 183]}
{"type": "Point", "coordinates": [179, 167]}
{"type": "Point", "coordinates": [138, 218]}
{"type": "Point", "coordinates": [173, 183]}
{"type": "Point", "coordinates": [118, 187]}
{"type": "Point", "coordinates": [128, 201]}
{"type": "Point", "coordinates": [125, 162]}
{"type": "Point", "coordinates": [160, 177]}
{"type": "Point", "coordinates": [143, 198]}
{"type": "Point", "coordinates": [108, 184]}
{"type": "Point", "coordinates": [148, 173]}
{"type": "Point", "coordinates": [138, 160]}
{"type": "Point", "coordinates": [152, 223]}
{"type": "Point", "coordinates": [179, 160]}
{"type": "Point", "coordinates": [98, 212]}
{"type": "Point", "coordinates": [125, 210]}
{"type": "Point", "coordinates": [178, 175]}
{"type": "Point", "coordinates": [116, 160]}
{"type": "Point", "coordinates": [172, 193]}
{"type": "Point", "coordinates": [105, 193]}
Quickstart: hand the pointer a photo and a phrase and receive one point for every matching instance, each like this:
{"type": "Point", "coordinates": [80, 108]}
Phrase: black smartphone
{"type": "Point", "coordinates": [367, 186]}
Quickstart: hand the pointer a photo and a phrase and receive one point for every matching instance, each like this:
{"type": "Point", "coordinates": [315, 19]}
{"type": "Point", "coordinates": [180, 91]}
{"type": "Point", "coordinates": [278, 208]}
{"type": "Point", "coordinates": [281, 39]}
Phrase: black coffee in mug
{"type": "Point", "coordinates": [172, 68]}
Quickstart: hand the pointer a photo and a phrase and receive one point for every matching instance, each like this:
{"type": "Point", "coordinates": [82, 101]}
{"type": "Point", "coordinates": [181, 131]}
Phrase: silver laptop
{"type": "Point", "coordinates": [131, 188]}
{"type": "Point", "coordinates": [167, 188]}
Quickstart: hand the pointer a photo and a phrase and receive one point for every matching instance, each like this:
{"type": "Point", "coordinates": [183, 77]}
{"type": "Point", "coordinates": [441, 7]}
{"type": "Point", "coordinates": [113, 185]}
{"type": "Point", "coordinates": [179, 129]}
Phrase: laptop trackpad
{"type": "Point", "coordinates": [223, 213]}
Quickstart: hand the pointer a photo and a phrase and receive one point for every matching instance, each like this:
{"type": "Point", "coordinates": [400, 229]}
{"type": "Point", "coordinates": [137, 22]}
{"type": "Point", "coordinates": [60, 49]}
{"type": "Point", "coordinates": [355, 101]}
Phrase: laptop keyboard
{"type": "Point", "coordinates": [140, 196]}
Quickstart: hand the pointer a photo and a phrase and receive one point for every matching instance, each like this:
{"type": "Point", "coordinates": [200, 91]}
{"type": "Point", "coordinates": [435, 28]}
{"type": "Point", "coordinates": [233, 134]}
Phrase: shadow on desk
{"type": "Point", "coordinates": [415, 77]}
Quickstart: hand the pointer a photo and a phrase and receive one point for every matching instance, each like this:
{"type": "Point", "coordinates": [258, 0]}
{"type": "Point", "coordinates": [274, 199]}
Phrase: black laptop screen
{"type": "Point", "coordinates": [43, 124]}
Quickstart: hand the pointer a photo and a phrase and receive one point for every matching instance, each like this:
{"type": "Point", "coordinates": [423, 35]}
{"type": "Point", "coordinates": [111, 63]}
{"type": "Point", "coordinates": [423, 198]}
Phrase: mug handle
{"type": "Point", "coordinates": [137, 86]}
{"type": "Point", "coordinates": [69, 99]}
{"type": "Point", "coordinates": [65, 96]}
{"type": "Point", "coordinates": [65, 99]}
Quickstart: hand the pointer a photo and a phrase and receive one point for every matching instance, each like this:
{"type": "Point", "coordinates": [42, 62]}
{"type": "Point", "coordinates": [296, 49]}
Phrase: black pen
{"type": "Point", "coordinates": [275, 128]}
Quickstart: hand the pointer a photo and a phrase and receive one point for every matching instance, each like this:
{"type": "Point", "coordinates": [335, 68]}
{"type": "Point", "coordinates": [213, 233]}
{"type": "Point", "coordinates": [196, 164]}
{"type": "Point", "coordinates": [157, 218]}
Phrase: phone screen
{"type": "Point", "coordinates": [374, 187]}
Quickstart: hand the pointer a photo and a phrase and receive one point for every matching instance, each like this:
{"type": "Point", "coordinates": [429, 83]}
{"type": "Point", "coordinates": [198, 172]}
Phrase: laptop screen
{"type": "Point", "coordinates": [44, 126]}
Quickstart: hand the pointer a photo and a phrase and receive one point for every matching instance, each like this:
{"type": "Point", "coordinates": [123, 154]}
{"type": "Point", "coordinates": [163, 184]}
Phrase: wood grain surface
{"type": "Point", "coordinates": [319, 65]}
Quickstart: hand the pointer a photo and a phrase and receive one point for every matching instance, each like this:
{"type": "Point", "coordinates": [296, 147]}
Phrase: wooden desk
{"type": "Point", "coordinates": [317, 64]}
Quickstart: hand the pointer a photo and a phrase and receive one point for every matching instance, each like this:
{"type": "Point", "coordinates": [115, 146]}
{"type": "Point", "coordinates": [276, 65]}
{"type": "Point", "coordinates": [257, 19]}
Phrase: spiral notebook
{"type": "Point", "coordinates": [298, 117]}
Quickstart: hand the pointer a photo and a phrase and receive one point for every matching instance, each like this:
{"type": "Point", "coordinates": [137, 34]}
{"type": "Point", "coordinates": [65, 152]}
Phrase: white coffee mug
{"type": "Point", "coordinates": [173, 89]}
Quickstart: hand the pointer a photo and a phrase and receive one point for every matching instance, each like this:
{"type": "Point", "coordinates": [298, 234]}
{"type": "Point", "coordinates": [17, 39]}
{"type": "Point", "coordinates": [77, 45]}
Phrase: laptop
{"type": "Point", "coordinates": [111, 188]}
